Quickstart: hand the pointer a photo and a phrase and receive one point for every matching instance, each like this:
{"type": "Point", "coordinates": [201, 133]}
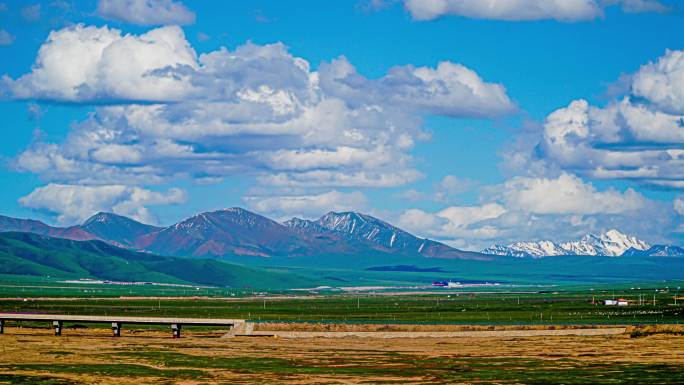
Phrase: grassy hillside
{"type": "Point", "coordinates": [37, 255]}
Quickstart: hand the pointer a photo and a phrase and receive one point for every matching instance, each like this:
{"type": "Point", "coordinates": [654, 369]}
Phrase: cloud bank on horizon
{"type": "Point", "coordinates": [315, 138]}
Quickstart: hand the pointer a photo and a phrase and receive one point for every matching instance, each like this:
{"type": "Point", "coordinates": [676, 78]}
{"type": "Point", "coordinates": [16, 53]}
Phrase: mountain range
{"type": "Point", "coordinates": [235, 247]}
{"type": "Point", "coordinates": [238, 232]}
{"type": "Point", "coordinates": [611, 243]}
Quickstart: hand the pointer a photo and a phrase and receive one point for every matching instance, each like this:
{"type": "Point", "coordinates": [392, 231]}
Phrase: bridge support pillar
{"type": "Point", "coordinates": [2, 326]}
{"type": "Point", "coordinates": [58, 327]}
{"type": "Point", "coordinates": [176, 330]}
{"type": "Point", "coordinates": [116, 329]}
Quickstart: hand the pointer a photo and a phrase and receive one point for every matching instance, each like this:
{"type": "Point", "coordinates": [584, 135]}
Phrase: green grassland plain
{"type": "Point", "coordinates": [649, 303]}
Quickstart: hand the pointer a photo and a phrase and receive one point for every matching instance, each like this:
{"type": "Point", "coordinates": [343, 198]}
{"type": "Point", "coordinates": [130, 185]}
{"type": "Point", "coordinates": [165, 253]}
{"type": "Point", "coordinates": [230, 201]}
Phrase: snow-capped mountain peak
{"type": "Point", "coordinates": [101, 217]}
{"type": "Point", "coordinates": [225, 219]}
{"type": "Point", "coordinates": [656, 251]}
{"type": "Point", "coordinates": [611, 243]}
{"type": "Point", "coordinates": [117, 229]}
{"type": "Point", "coordinates": [374, 233]}
{"type": "Point", "coordinates": [365, 227]}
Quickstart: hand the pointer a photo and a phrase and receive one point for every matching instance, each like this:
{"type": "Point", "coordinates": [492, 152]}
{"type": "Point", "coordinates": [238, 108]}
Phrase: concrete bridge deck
{"type": "Point", "coordinates": [118, 321]}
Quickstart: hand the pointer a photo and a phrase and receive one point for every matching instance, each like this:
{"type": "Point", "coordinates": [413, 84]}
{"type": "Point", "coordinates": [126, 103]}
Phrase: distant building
{"type": "Point", "coordinates": [447, 284]}
{"type": "Point", "coordinates": [616, 302]}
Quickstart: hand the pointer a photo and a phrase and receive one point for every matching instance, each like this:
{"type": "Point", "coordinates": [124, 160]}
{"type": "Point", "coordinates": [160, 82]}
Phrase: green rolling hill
{"type": "Point", "coordinates": [39, 255]}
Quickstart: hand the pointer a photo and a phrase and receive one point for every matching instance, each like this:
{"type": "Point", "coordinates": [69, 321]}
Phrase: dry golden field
{"type": "Point", "coordinates": [653, 355]}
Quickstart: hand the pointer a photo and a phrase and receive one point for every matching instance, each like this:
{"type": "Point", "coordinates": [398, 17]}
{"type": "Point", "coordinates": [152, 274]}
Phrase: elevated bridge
{"type": "Point", "coordinates": [117, 322]}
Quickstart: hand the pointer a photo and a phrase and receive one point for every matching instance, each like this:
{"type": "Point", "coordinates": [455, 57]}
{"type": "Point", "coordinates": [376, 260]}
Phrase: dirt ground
{"type": "Point", "coordinates": [348, 327]}
{"type": "Point", "coordinates": [443, 335]}
{"type": "Point", "coordinates": [92, 356]}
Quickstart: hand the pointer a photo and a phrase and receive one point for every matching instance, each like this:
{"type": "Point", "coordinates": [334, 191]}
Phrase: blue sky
{"type": "Point", "coordinates": [470, 162]}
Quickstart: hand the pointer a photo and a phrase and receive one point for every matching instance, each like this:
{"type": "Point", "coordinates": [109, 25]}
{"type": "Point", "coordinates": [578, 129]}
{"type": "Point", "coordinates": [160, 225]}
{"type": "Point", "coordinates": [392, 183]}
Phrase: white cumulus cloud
{"type": "Point", "coordinates": [638, 137]}
{"type": "Point", "coordinates": [86, 63]}
{"type": "Point", "coordinates": [662, 82]}
{"type": "Point", "coordinates": [450, 89]}
{"type": "Point", "coordinates": [567, 194]}
{"type": "Point", "coordinates": [454, 222]}
{"type": "Point", "coordinates": [75, 203]}
{"type": "Point", "coordinates": [526, 208]}
{"type": "Point", "coordinates": [254, 110]}
{"type": "Point", "coordinates": [307, 206]}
